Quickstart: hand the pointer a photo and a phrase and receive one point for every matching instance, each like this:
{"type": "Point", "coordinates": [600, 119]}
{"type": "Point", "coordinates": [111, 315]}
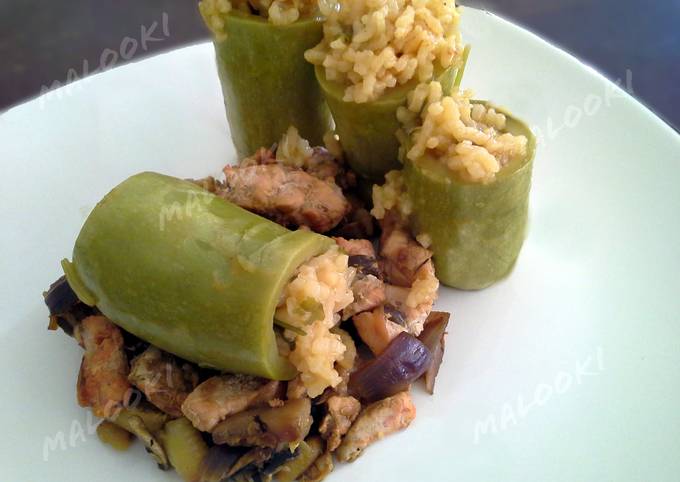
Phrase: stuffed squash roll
{"type": "Point", "coordinates": [372, 55]}
{"type": "Point", "coordinates": [465, 184]}
{"type": "Point", "coordinates": [266, 83]}
{"type": "Point", "coordinates": [201, 278]}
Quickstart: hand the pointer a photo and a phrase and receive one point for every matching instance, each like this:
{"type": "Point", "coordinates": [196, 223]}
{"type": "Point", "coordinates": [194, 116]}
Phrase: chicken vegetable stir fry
{"type": "Point", "coordinates": [346, 320]}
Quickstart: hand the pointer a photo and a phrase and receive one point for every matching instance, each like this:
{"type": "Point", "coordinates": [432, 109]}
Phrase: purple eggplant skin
{"type": "Point", "coordinates": [404, 361]}
{"type": "Point", "coordinates": [433, 336]}
{"type": "Point", "coordinates": [66, 310]}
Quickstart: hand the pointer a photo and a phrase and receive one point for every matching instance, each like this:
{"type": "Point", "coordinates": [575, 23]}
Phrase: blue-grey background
{"type": "Point", "coordinates": [44, 41]}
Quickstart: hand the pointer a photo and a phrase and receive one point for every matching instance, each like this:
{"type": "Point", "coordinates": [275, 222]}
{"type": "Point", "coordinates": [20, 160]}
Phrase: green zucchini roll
{"type": "Point", "coordinates": [266, 83]}
{"type": "Point", "coordinates": [201, 278]}
{"type": "Point", "coordinates": [465, 184]}
{"type": "Point", "coordinates": [371, 56]}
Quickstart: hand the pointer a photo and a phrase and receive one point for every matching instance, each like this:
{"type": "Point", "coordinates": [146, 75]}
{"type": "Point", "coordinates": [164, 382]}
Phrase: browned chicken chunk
{"type": "Point", "coordinates": [378, 420]}
{"type": "Point", "coordinates": [319, 163]}
{"type": "Point", "coordinates": [165, 383]}
{"type": "Point", "coordinates": [367, 285]}
{"type": "Point", "coordinates": [402, 255]}
{"type": "Point", "coordinates": [285, 195]}
{"type": "Point", "coordinates": [218, 397]}
{"type": "Point", "coordinates": [102, 381]}
{"type": "Point", "coordinates": [342, 411]}
{"type": "Point", "coordinates": [376, 329]}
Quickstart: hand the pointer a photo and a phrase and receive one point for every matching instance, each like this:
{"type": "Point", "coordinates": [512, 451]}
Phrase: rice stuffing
{"type": "Point", "coordinates": [468, 138]}
{"type": "Point", "coordinates": [390, 196]}
{"type": "Point", "coordinates": [311, 304]}
{"type": "Point", "coordinates": [277, 12]}
{"type": "Point", "coordinates": [371, 46]}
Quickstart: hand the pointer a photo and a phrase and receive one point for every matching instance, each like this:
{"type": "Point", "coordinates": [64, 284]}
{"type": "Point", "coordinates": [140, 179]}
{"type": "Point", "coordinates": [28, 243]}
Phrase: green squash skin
{"type": "Point", "coordinates": [266, 82]}
{"type": "Point", "coordinates": [190, 272]}
{"type": "Point", "coordinates": [477, 230]}
{"type": "Point", "coordinates": [368, 130]}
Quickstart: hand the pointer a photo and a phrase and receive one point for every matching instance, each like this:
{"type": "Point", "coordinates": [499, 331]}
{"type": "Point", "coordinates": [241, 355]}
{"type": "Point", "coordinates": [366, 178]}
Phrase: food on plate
{"type": "Point", "coordinates": [464, 189]}
{"type": "Point", "coordinates": [263, 325]}
{"type": "Point", "coordinates": [266, 83]}
{"type": "Point", "coordinates": [372, 54]}
{"type": "Point", "coordinates": [229, 269]}
{"type": "Point", "coordinates": [233, 347]}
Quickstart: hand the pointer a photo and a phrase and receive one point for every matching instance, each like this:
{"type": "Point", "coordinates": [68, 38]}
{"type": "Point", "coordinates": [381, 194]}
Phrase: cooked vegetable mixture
{"type": "Point", "coordinates": [344, 320]}
{"type": "Point", "coordinates": [263, 325]}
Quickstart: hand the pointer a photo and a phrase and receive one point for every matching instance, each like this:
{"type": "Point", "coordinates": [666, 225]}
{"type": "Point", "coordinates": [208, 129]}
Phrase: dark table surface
{"type": "Point", "coordinates": [44, 44]}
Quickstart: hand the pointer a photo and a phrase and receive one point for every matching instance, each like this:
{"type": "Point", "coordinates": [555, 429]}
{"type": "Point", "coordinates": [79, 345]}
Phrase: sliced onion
{"type": "Point", "coordinates": [433, 338]}
{"type": "Point", "coordinates": [403, 361]}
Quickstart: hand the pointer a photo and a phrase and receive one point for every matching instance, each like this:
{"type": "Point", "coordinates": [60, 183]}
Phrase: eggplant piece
{"type": "Point", "coordinates": [153, 419]}
{"type": "Point", "coordinates": [151, 443]}
{"type": "Point", "coordinates": [477, 229]}
{"type": "Point", "coordinates": [320, 469]}
{"type": "Point", "coordinates": [219, 461]}
{"type": "Point", "coordinates": [185, 448]}
{"type": "Point", "coordinates": [66, 310]}
{"type": "Point", "coordinates": [276, 427]}
{"type": "Point", "coordinates": [433, 337]}
{"type": "Point", "coordinates": [115, 436]}
{"type": "Point", "coordinates": [403, 361]}
{"type": "Point", "coordinates": [214, 303]}
{"type": "Point", "coordinates": [308, 451]}
{"type": "Point", "coordinates": [278, 460]}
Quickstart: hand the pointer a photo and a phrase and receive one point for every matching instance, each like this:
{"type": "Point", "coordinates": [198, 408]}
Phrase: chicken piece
{"type": "Point", "coordinates": [165, 384]}
{"type": "Point", "coordinates": [367, 287]}
{"type": "Point", "coordinates": [218, 397]}
{"type": "Point", "coordinates": [319, 469]}
{"type": "Point", "coordinates": [102, 381]}
{"type": "Point", "coordinates": [264, 155]}
{"type": "Point", "coordinates": [369, 292]}
{"type": "Point", "coordinates": [356, 247]}
{"type": "Point", "coordinates": [342, 411]}
{"type": "Point", "coordinates": [323, 165]}
{"type": "Point", "coordinates": [375, 422]}
{"type": "Point", "coordinates": [319, 163]}
{"type": "Point", "coordinates": [414, 303]}
{"type": "Point", "coordinates": [285, 195]}
{"type": "Point", "coordinates": [376, 329]}
{"type": "Point", "coordinates": [296, 388]}
{"type": "Point", "coordinates": [402, 255]}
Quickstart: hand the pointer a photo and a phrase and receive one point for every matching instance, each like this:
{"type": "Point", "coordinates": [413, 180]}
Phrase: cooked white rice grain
{"type": "Point", "coordinates": [468, 138]}
{"type": "Point", "coordinates": [373, 45]}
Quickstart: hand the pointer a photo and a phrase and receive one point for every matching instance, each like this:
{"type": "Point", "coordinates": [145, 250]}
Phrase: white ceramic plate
{"type": "Point", "coordinates": [566, 371]}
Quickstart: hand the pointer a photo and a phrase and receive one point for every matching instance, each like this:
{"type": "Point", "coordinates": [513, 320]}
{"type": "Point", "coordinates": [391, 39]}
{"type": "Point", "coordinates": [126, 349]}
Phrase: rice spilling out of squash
{"type": "Point", "coordinates": [311, 304]}
{"type": "Point", "coordinates": [371, 46]}
{"type": "Point", "coordinates": [278, 12]}
{"type": "Point", "coordinates": [391, 196]}
{"type": "Point", "coordinates": [467, 137]}
{"type": "Point", "coordinates": [293, 150]}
